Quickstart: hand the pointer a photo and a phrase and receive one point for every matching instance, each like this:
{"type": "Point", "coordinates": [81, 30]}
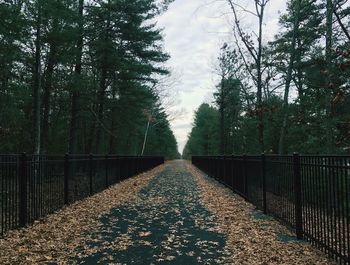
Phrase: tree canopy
{"type": "Point", "coordinates": [78, 76]}
{"type": "Point", "coordinates": [295, 94]}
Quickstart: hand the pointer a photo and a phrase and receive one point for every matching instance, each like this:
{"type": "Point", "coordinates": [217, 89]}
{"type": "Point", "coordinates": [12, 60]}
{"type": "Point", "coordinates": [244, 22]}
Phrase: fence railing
{"type": "Point", "coordinates": [32, 186]}
{"type": "Point", "coordinates": [308, 193]}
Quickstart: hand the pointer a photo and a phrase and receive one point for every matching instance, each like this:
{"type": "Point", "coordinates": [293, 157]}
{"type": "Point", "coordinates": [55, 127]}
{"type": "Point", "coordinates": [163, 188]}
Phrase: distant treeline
{"type": "Point", "coordinates": [288, 95]}
{"type": "Point", "coordinates": [82, 77]}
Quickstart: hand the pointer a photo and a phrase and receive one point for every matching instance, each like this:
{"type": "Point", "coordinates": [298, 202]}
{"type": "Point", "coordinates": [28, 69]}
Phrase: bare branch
{"type": "Point", "coordinates": [251, 49]}
{"type": "Point", "coordinates": [245, 10]}
{"type": "Point", "coordinates": [104, 127]}
{"type": "Point", "coordinates": [243, 58]}
{"type": "Point", "coordinates": [341, 24]}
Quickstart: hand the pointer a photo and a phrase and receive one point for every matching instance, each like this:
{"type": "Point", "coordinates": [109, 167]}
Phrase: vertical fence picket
{"type": "Point", "coordinates": [23, 191]}
{"type": "Point", "coordinates": [297, 196]}
{"type": "Point", "coordinates": [66, 179]}
{"type": "Point", "coordinates": [263, 174]}
{"type": "Point", "coordinates": [91, 160]}
{"type": "Point", "coordinates": [245, 176]}
{"type": "Point", "coordinates": [33, 186]}
{"type": "Point", "coordinates": [106, 170]}
{"type": "Point", "coordinates": [307, 193]}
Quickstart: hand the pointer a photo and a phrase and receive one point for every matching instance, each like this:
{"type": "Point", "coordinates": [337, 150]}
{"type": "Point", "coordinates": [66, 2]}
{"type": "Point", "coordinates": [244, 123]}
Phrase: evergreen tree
{"type": "Point", "coordinates": [77, 75]}
{"type": "Point", "coordinates": [204, 137]}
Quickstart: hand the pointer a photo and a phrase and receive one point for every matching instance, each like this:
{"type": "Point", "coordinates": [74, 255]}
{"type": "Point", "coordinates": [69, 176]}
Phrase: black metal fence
{"type": "Point", "coordinates": [32, 186]}
{"type": "Point", "coordinates": [308, 193]}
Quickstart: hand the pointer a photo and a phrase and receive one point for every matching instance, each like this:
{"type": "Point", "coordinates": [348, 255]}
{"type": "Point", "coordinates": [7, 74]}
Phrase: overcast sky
{"type": "Point", "coordinates": [194, 30]}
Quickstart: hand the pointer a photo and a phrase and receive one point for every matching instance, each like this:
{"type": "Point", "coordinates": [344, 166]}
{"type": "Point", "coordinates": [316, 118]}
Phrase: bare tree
{"type": "Point", "coordinates": [150, 118]}
{"type": "Point", "coordinates": [165, 89]}
{"type": "Point", "coordinates": [338, 6]}
{"type": "Point", "coordinates": [255, 52]}
{"type": "Point", "coordinates": [226, 69]}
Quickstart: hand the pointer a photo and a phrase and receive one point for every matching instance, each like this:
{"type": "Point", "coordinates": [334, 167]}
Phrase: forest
{"type": "Point", "coordinates": [83, 76]}
{"type": "Point", "coordinates": [291, 94]}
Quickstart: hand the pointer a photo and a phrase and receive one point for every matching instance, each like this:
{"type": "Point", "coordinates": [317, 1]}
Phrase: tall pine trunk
{"type": "Point", "coordinates": [37, 82]}
{"type": "Point", "coordinates": [259, 82]}
{"type": "Point", "coordinates": [328, 121]}
{"type": "Point", "coordinates": [47, 97]}
{"type": "Point", "coordinates": [222, 118]}
{"type": "Point", "coordinates": [145, 136]}
{"type": "Point", "coordinates": [100, 108]}
{"type": "Point", "coordinates": [75, 95]}
{"type": "Point", "coordinates": [299, 82]}
{"type": "Point", "coordinates": [111, 138]}
{"type": "Point", "coordinates": [102, 87]}
{"type": "Point", "coordinates": [285, 110]}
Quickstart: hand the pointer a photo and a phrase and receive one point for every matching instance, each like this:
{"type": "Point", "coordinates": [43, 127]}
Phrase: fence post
{"type": "Point", "coordinates": [263, 172]}
{"type": "Point", "coordinates": [245, 175]}
{"type": "Point", "coordinates": [91, 172]}
{"type": "Point", "coordinates": [66, 178]}
{"type": "Point", "coordinates": [224, 169]}
{"type": "Point", "coordinates": [106, 170]}
{"type": "Point", "coordinates": [23, 217]}
{"type": "Point", "coordinates": [233, 172]}
{"type": "Point", "coordinates": [297, 194]}
{"type": "Point", "coordinates": [119, 168]}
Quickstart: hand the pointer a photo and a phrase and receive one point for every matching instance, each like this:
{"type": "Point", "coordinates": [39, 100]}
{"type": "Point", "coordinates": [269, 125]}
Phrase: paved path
{"type": "Point", "coordinates": [170, 215]}
{"type": "Point", "coordinates": [167, 224]}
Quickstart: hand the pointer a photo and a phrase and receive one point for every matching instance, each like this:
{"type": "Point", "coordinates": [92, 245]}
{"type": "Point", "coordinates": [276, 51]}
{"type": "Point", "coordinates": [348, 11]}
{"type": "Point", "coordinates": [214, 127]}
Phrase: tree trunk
{"type": "Point", "coordinates": [102, 88]}
{"type": "Point", "coordinates": [222, 118]}
{"type": "Point", "coordinates": [257, 56]}
{"type": "Point", "coordinates": [37, 82]}
{"type": "Point", "coordinates": [328, 121]}
{"type": "Point", "coordinates": [90, 134]}
{"type": "Point", "coordinates": [47, 97]}
{"type": "Point", "coordinates": [281, 148]}
{"type": "Point", "coordinates": [100, 108]}
{"type": "Point", "coordinates": [259, 82]}
{"type": "Point", "coordinates": [75, 95]}
{"type": "Point", "coordinates": [299, 82]}
{"type": "Point", "coordinates": [111, 139]}
{"type": "Point", "coordinates": [145, 138]}
{"type": "Point", "coordinates": [341, 24]}
{"type": "Point", "coordinates": [233, 148]}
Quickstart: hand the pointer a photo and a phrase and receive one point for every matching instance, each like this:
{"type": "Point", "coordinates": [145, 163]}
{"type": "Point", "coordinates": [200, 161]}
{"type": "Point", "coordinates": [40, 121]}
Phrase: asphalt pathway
{"type": "Point", "coordinates": [166, 224]}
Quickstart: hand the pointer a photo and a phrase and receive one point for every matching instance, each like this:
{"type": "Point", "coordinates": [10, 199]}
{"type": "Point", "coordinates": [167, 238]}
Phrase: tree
{"type": "Point", "coordinates": [75, 93]}
{"type": "Point", "coordinates": [37, 78]}
{"type": "Point", "coordinates": [329, 87]}
{"type": "Point", "coordinates": [13, 32]}
{"type": "Point", "coordinates": [204, 137]}
{"type": "Point", "coordinates": [305, 84]}
{"type": "Point", "coordinates": [295, 8]}
{"type": "Point", "coordinates": [256, 53]}
{"type": "Point", "coordinates": [79, 75]}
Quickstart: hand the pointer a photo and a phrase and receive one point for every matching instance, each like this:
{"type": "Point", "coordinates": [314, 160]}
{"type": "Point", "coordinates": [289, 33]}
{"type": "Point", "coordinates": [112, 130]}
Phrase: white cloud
{"type": "Point", "coordinates": [193, 33]}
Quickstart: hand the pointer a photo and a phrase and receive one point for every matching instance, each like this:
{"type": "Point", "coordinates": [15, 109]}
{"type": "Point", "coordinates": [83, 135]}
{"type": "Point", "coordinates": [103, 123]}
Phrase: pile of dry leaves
{"type": "Point", "coordinates": [56, 238]}
{"type": "Point", "coordinates": [252, 240]}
